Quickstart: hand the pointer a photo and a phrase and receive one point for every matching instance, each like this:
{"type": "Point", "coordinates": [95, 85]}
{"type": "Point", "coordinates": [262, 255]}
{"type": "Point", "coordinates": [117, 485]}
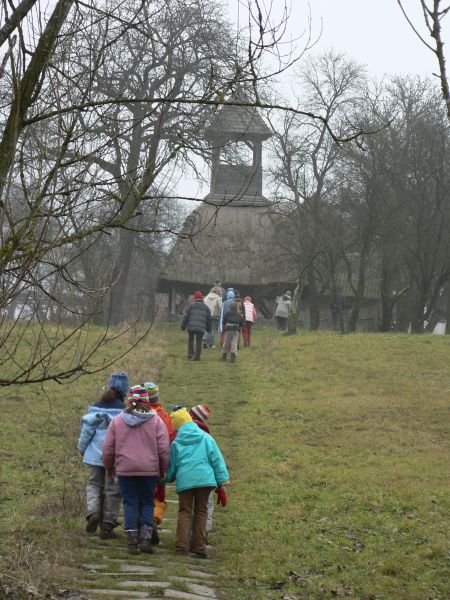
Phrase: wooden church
{"type": "Point", "coordinates": [229, 236]}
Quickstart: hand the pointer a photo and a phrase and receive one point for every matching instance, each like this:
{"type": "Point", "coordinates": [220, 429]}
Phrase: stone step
{"type": "Point", "coordinates": [201, 574]}
{"type": "Point", "coordinates": [201, 590]}
{"type": "Point", "coordinates": [147, 584]}
{"type": "Point", "coordinates": [183, 595]}
{"type": "Point", "coordinates": [109, 593]}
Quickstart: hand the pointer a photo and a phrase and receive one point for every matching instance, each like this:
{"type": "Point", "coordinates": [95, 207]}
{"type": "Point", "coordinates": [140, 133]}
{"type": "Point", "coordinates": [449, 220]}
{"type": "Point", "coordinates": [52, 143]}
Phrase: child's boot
{"type": "Point", "coordinates": [224, 356]}
{"type": "Point", "coordinates": [132, 540]}
{"type": "Point", "coordinates": [155, 535]}
{"type": "Point", "coordinates": [93, 521]}
{"type": "Point", "coordinates": [107, 531]}
{"type": "Point", "coordinates": [233, 357]}
{"type": "Point", "coordinates": [145, 536]}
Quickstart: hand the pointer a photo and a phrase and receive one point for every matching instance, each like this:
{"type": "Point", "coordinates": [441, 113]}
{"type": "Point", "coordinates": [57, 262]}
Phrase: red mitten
{"type": "Point", "coordinates": [160, 492]}
{"type": "Point", "coordinates": [221, 495]}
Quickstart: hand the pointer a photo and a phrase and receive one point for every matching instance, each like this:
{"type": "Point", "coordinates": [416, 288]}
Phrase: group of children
{"type": "Point", "coordinates": [220, 311]}
{"type": "Point", "coordinates": [133, 448]}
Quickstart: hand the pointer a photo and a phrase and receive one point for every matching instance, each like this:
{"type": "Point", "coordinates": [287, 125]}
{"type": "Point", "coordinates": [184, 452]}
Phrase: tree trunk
{"type": "Point", "coordinates": [359, 296]}
{"type": "Point", "coordinates": [314, 303]}
{"type": "Point", "coordinates": [447, 297]}
{"type": "Point", "coordinates": [25, 94]}
{"type": "Point", "coordinates": [119, 289]}
{"type": "Point", "coordinates": [295, 311]}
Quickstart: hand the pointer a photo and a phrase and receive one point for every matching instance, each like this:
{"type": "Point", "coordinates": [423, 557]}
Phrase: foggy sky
{"type": "Point", "coordinates": [373, 32]}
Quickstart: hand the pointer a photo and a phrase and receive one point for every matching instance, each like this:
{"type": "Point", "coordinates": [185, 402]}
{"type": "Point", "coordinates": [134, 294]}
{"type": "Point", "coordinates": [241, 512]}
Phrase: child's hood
{"type": "Point", "coordinates": [100, 417]}
{"type": "Point", "coordinates": [135, 419]}
{"type": "Point", "coordinates": [190, 434]}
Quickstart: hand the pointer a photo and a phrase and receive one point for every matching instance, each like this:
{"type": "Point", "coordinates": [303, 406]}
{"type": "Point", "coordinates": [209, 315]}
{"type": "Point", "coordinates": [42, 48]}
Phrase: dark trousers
{"type": "Point", "coordinates": [282, 323]}
{"type": "Point", "coordinates": [137, 495]}
{"type": "Point", "coordinates": [198, 335]}
{"type": "Point", "coordinates": [192, 508]}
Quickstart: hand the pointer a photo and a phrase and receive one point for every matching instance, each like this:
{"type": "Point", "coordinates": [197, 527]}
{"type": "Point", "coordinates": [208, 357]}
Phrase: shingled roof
{"type": "Point", "coordinates": [233, 243]}
{"type": "Point", "coordinates": [234, 120]}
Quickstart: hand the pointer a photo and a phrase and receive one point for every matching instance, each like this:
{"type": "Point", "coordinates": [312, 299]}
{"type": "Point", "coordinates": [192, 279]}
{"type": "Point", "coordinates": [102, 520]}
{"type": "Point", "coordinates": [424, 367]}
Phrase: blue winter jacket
{"type": "Point", "coordinates": [94, 426]}
{"type": "Point", "coordinates": [195, 460]}
{"type": "Point", "coordinates": [225, 308]}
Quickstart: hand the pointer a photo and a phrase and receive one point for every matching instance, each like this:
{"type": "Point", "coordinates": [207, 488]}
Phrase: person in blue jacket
{"type": "Point", "coordinates": [226, 304]}
{"type": "Point", "coordinates": [198, 467]}
{"type": "Point", "coordinates": [102, 492]}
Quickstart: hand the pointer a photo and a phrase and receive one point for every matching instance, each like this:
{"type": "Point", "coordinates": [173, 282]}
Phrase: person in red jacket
{"type": "Point", "coordinates": [160, 504]}
{"type": "Point", "coordinates": [136, 448]}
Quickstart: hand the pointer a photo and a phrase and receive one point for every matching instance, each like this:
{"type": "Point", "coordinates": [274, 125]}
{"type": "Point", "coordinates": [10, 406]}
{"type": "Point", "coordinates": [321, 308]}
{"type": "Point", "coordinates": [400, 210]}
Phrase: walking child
{"type": "Point", "coordinates": [200, 416]}
{"type": "Point", "coordinates": [102, 492]}
{"type": "Point", "coordinates": [232, 323]}
{"type": "Point", "coordinates": [213, 301]}
{"type": "Point", "coordinates": [249, 319]}
{"type": "Point", "coordinates": [136, 447]}
{"type": "Point", "coordinates": [160, 504]}
{"type": "Point", "coordinates": [226, 304]}
{"type": "Point", "coordinates": [198, 467]}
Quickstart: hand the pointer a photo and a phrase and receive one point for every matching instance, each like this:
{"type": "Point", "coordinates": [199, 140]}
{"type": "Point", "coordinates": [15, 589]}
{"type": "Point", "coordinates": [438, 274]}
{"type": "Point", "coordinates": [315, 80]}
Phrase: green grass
{"type": "Point", "coordinates": [338, 453]}
{"type": "Point", "coordinates": [337, 448]}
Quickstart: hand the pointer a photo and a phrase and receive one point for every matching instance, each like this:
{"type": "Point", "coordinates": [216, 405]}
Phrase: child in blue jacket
{"type": "Point", "coordinates": [198, 467]}
{"type": "Point", "coordinates": [102, 493]}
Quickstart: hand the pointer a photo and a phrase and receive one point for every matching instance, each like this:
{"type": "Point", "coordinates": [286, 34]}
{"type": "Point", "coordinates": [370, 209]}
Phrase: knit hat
{"type": "Point", "coordinates": [153, 391]}
{"type": "Point", "coordinates": [119, 381]}
{"type": "Point", "coordinates": [138, 393]}
{"type": "Point", "coordinates": [198, 295]}
{"type": "Point", "coordinates": [180, 417]}
{"type": "Point", "coordinates": [230, 295]}
{"type": "Point", "coordinates": [200, 412]}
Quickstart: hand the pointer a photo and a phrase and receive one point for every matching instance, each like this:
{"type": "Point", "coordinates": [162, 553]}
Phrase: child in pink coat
{"type": "Point", "coordinates": [136, 448]}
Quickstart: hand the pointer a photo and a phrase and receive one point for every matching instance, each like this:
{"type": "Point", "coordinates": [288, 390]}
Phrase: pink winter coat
{"type": "Point", "coordinates": [137, 445]}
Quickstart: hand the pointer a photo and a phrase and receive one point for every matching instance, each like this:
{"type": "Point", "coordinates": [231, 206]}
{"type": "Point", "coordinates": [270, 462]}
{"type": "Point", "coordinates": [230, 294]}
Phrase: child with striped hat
{"type": "Point", "coordinates": [160, 504]}
{"type": "Point", "coordinates": [136, 448]}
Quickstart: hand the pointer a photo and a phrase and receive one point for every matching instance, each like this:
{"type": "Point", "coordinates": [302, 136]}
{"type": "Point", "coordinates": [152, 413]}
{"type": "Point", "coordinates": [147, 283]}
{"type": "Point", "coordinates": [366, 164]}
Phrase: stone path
{"type": "Point", "coordinates": [110, 573]}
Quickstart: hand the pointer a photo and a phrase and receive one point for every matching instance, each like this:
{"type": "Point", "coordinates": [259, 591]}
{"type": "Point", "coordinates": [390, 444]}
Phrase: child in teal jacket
{"type": "Point", "coordinates": [198, 467]}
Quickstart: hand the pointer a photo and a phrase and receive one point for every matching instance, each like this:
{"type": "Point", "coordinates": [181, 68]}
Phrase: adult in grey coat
{"type": "Point", "coordinates": [197, 320]}
{"type": "Point", "coordinates": [282, 312]}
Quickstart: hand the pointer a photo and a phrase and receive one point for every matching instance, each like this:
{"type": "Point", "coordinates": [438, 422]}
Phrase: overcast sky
{"type": "Point", "coordinates": [374, 32]}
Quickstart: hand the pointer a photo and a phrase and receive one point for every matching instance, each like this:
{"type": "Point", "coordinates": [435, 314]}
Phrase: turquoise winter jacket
{"type": "Point", "coordinates": [94, 426]}
{"type": "Point", "coordinates": [195, 460]}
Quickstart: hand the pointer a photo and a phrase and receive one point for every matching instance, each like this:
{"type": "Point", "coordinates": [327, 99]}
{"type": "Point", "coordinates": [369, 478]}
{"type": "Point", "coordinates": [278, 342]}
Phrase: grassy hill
{"type": "Point", "coordinates": [337, 448]}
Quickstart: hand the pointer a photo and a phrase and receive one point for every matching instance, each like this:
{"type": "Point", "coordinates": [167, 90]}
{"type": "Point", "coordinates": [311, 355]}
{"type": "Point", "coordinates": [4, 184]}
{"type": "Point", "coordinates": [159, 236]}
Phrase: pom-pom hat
{"type": "Point", "coordinates": [153, 391]}
{"type": "Point", "coordinates": [180, 417]}
{"type": "Point", "coordinates": [138, 393]}
{"type": "Point", "coordinates": [201, 412]}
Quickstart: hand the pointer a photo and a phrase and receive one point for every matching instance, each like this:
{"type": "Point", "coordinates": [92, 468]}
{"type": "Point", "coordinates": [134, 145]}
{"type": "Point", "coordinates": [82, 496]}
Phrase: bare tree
{"type": "Point", "coordinates": [305, 173]}
{"type": "Point", "coordinates": [434, 12]}
{"type": "Point", "coordinates": [100, 103]}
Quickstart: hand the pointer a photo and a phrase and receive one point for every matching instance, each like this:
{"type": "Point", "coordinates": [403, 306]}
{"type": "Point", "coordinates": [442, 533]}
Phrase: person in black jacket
{"type": "Point", "coordinates": [232, 323]}
{"type": "Point", "coordinates": [197, 320]}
